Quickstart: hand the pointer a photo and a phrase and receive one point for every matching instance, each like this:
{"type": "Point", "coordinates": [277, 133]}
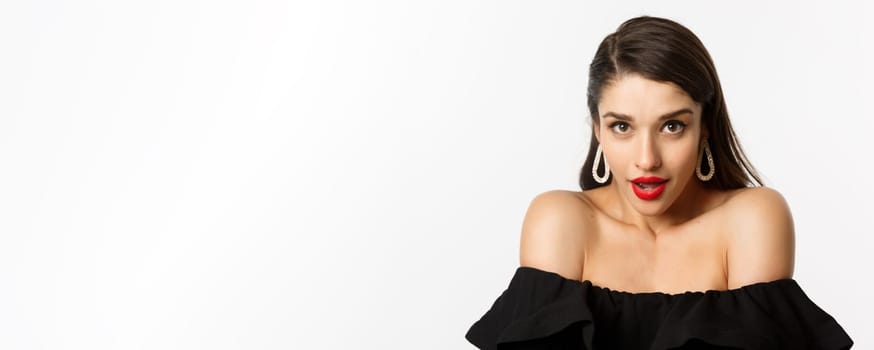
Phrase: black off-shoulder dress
{"type": "Point", "coordinates": [543, 310]}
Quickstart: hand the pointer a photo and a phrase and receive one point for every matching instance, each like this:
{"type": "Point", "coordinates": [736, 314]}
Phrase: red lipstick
{"type": "Point", "coordinates": [648, 187]}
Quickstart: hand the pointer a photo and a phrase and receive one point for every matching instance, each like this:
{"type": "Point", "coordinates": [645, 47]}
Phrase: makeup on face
{"type": "Point", "coordinates": [649, 133]}
{"type": "Point", "coordinates": [648, 187]}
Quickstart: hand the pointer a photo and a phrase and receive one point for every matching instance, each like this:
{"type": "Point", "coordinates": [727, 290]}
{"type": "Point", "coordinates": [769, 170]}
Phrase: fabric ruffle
{"type": "Point", "coordinates": [543, 310]}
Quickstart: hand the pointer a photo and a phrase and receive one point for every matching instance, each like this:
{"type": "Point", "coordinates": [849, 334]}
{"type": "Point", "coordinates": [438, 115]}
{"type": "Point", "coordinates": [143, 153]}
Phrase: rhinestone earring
{"type": "Point", "coordinates": [600, 179]}
{"type": "Point", "coordinates": [705, 148]}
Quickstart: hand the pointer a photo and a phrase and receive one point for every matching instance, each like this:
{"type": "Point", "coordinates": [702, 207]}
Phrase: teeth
{"type": "Point", "coordinates": [647, 185]}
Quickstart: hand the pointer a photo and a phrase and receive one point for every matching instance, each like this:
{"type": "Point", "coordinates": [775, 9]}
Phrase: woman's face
{"type": "Point", "coordinates": [649, 129]}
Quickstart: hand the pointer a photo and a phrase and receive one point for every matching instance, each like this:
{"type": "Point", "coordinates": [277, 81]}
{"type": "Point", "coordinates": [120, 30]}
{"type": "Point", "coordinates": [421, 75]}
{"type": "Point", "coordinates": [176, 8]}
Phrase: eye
{"type": "Point", "coordinates": [619, 127]}
{"type": "Point", "coordinates": [674, 127]}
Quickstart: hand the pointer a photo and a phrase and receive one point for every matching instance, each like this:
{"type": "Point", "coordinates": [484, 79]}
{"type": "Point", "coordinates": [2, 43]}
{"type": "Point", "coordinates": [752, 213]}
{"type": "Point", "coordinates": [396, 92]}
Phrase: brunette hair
{"type": "Point", "coordinates": [663, 50]}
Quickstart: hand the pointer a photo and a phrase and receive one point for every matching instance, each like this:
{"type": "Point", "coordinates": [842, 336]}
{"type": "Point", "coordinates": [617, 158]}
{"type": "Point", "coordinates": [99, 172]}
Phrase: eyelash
{"type": "Point", "coordinates": [680, 124]}
{"type": "Point", "coordinates": [615, 124]}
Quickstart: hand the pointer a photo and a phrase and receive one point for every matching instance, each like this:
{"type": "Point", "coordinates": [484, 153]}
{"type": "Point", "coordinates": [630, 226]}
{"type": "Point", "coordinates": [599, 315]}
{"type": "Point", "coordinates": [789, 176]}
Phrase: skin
{"type": "Point", "coordinates": [638, 141]}
{"type": "Point", "coordinates": [689, 239]}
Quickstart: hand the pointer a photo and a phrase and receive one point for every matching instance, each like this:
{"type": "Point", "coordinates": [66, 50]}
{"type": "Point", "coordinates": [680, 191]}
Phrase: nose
{"type": "Point", "coordinates": [648, 159]}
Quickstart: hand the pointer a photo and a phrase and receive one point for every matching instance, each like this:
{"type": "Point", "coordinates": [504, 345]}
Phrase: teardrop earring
{"type": "Point", "coordinates": [705, 148]}
{"type": "Point", "coordinates": [606, 176]}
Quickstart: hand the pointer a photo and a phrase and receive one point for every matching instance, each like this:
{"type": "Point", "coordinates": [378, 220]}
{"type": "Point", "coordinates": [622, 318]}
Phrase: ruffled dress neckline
{"type": "Point", "coordinates": [544, 310]}
{"type": "Point", "coordinates": [659, 294]}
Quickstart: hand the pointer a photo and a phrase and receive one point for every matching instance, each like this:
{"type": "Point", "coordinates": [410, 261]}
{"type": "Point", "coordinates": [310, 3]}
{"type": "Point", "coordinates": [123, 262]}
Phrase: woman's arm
{"type": "Point", "coordinates": [762, 239]}
{"type": "Point", "coordinates": [552, 234]}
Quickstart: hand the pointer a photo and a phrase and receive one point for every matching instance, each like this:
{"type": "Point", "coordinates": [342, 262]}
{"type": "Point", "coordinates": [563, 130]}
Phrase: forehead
{"type": "Point", "coordinates": [643, 98]}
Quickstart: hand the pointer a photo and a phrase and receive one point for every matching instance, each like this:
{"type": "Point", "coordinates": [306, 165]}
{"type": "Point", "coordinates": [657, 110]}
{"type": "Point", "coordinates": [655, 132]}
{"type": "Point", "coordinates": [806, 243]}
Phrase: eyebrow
{"type": "Point", "coordinates": [626, 117]}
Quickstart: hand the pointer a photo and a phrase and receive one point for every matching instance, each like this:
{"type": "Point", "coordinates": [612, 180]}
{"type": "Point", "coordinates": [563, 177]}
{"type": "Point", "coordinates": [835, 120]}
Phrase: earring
{"type": "Point", "coordinates": [600, 179]}
{"type": "Point", "coordinates": [705, 148]}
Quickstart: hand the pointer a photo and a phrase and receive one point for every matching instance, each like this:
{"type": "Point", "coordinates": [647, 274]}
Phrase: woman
{"type": "Point", "coordinates": [673, 242]}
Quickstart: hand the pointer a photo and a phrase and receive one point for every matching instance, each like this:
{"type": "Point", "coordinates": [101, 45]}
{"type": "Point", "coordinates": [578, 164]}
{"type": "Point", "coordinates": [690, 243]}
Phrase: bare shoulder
{"type": "Point", "coordinates": [552, 233]}
{"type": "Point", "coordinates": [758, 207]}
{"type": "Point", "coordinates": [761, 244]}
{"type": "Point", "coordinates": [753, 195]}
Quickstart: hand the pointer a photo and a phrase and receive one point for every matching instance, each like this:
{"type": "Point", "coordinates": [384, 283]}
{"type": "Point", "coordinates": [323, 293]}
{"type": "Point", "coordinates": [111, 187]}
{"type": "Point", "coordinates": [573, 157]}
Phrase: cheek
{"type": "Point", "coordinates": [618, 157]}
{"type": "Point", "coordinates": [682, 158]}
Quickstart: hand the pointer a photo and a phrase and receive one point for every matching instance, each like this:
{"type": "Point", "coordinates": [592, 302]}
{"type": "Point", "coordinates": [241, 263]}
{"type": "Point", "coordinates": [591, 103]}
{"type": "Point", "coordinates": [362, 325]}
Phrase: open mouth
{"type": "Point", "coordinates": [648, 188]}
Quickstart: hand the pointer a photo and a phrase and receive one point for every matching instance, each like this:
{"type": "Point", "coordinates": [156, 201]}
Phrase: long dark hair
{"type": "Point", "coordinates": [663, 50]}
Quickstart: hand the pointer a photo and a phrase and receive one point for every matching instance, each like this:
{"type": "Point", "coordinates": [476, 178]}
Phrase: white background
{"type": "Point", "coordinates": [276, 175]}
